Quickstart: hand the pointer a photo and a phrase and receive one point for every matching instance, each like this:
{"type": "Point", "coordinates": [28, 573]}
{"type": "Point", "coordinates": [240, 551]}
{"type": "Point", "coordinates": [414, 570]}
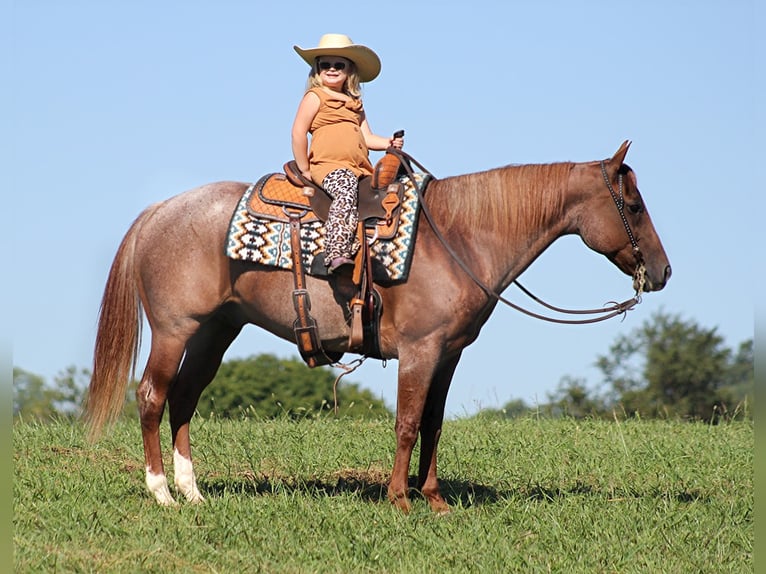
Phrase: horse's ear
{"type": "Point", "coordinates": [620, 154]}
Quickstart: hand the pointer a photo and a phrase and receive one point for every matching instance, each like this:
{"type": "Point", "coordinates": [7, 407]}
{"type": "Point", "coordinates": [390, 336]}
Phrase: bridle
{"type": "Point", "coordinates": [619, 201]}
{"type": "Point", "coordinates": [613, 309]}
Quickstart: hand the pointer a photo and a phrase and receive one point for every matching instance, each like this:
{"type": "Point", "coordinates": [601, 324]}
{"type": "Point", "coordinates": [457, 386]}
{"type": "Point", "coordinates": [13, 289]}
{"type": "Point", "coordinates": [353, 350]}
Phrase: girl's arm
{"type": "Point", "coordinates": [376, 142]}
{"type": "Point", "coordinates": [307, 109]}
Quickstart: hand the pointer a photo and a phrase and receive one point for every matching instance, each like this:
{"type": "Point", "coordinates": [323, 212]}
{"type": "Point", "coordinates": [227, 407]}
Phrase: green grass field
{"type": "Point", "coordinates": [529, 495]}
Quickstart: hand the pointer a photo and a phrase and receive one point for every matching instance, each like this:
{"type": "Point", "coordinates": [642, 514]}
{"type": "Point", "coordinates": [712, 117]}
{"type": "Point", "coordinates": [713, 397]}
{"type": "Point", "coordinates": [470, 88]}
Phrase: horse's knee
{"type": "Point", "coordinates": [151, 402]}
{"type": "Point", "coordinates": [407, 431]}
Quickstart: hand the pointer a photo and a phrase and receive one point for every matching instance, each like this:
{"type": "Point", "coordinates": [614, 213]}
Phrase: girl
{"type": "Point", "coordinates": [331, 111]}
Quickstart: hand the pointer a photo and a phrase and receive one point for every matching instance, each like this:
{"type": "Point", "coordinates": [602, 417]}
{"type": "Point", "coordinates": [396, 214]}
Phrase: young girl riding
{"type": "Point", "coordinates": [332, 112]}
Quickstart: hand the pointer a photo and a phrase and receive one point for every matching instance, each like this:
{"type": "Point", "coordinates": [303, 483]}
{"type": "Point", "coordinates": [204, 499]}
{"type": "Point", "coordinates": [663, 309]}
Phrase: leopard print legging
{"type": "Point", "coordinates": [340, 229]}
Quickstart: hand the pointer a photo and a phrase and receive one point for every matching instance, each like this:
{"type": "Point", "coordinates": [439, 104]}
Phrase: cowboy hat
{"type": "Point", "coordinates": [366, 61]}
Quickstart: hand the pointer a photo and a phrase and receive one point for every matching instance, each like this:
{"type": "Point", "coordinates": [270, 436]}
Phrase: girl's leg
{"type": "Point", "coordinates": [340, 228]}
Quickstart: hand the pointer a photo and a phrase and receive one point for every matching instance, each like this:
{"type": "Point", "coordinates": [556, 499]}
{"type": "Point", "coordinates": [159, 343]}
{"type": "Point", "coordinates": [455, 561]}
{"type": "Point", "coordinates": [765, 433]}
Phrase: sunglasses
{"type": "Point", "coordinates": [336, 65]}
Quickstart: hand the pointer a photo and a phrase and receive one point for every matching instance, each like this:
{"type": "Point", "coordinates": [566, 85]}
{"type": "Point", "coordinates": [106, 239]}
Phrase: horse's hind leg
{"type": "Point", "coordinates": [204, 353]}
{"type": "Point", "coordinates": [161, 368]}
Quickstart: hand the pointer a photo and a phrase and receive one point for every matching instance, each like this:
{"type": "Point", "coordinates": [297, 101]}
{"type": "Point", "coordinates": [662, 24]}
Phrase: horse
{"type": "Point", "coordinates": [171, 266]}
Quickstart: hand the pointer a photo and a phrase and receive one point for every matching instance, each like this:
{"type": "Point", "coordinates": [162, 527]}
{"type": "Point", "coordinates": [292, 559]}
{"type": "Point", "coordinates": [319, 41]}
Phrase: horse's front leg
{"type": "Point", "coordinates": [430, 432]}
{"type": "Point", "coordinates": [415, 375]}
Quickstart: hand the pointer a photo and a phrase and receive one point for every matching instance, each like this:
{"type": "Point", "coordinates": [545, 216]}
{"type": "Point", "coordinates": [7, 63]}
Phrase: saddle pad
{"type": "Point", "coordinates": [273, 194]}
{"type": "Point", "coordinates": [267, 241]}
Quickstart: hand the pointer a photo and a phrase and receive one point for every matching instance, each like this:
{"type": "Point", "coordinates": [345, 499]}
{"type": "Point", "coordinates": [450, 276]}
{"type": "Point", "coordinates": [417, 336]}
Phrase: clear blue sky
{"type": "Point", "coordinates": [116, 105]}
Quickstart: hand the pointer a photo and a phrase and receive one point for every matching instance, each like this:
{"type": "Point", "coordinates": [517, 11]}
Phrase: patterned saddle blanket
{"type": "Point", "coordinates": [259, 231]}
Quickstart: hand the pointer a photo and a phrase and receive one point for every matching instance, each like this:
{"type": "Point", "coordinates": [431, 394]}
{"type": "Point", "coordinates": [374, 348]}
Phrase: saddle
{"type": "Point", "coordinates": [279, 195]}
{"type": "Point", "coordinates": [289, 197]}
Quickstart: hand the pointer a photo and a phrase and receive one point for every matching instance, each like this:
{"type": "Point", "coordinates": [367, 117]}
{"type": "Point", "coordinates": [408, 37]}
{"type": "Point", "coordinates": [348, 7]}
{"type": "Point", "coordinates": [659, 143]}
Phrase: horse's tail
{"type": "Point", "coordinates": [118, 337]}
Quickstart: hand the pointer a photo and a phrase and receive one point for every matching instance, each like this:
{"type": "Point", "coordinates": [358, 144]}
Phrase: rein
{"type": "Point", "coordinates": [607, 312]}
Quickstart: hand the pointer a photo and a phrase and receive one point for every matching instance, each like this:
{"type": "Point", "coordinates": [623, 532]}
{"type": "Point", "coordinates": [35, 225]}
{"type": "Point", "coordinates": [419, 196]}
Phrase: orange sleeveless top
{"type": "Point", "coordinates": [336, 137]}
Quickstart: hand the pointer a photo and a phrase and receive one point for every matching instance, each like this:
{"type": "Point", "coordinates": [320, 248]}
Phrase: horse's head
{"type": "Point", "coordinates": [613, 220]}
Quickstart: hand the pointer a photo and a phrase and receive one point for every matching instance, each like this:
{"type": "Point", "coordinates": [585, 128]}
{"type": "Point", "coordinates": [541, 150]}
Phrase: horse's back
{"type": "Point", "coordinates": [212, 203]}
{"type": "Point", "coordinates": [190, 219]}
{"type": "Point", "coordinates": [180, 245]}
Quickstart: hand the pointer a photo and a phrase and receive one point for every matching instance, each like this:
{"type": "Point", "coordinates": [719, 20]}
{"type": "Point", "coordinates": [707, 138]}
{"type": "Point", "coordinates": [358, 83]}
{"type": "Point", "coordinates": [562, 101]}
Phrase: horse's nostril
{"type": "Point", "coordinates": [668, 273]}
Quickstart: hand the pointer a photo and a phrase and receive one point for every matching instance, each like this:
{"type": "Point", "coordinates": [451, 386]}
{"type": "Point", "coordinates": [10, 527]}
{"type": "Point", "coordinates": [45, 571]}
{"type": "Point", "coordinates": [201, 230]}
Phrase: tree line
{"type": "Point", "coordinates": [667, 367]}
{"type": "Point", "coordinates": [262, 385]}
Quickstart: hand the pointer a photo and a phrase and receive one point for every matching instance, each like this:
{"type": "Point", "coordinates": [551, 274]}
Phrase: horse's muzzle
{"type": "Point", "coordinates": [657, 282]}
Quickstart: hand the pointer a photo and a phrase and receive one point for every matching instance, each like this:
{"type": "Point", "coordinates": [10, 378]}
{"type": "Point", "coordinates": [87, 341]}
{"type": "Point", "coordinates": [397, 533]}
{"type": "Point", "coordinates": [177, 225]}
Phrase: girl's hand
{"type": "Point", "coordinates": [397, 143]}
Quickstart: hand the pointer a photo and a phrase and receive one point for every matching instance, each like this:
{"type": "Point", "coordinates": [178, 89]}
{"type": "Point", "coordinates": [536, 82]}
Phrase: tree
{"type": "Point", "coordinates": [264, 384]}
{"type": "Point", "coordinates": [270, 387]}
{"type": "Point", "coordinates": [35, 398]}
{"type": "Point", "coordinates": [666, 367]}
{"type": "Point", "coordinates": [511, 410]}
{"type": "Point", "coordinates": [32, 398]}
{"type": "Point", "coordinates": [70, 387]}
{"type": "Point", "coordinates": [671, 366]}
{"type": "Point", "coordinates": [741, 377]}
{"type": "Point", "coordinates": [573, 399]}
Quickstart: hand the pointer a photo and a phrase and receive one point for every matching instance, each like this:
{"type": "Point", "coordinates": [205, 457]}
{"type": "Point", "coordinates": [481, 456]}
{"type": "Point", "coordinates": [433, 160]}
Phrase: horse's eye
{"type": "Point", "coordinates": [636, 208]}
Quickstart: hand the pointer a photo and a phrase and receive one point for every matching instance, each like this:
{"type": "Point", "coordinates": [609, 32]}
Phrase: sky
{"type": "Point", "coordinates": [117, 105]}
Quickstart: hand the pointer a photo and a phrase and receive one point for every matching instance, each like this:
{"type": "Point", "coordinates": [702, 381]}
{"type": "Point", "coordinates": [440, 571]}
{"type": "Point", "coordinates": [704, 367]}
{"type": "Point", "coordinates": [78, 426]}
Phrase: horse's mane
{"type": "Point", "coordinates": [519, 198]}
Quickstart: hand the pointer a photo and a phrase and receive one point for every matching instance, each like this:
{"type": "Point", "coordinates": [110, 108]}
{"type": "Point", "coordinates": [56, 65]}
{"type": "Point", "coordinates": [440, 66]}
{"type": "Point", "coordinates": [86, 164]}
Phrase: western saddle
{"type": "Point", "coordinates": [291, 198]}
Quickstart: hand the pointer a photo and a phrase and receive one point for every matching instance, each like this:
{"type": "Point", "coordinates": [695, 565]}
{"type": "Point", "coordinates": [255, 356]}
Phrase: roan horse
{"type": "Point", "coordinates": [171, 264]}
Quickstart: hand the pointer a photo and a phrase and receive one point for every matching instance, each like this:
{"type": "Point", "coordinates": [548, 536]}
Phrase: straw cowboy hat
{"type": "Point", "coordinates": [366, 61]}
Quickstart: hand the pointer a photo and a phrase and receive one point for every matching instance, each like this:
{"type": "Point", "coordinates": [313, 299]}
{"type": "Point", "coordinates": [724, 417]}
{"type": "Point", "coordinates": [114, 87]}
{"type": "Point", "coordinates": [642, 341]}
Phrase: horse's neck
{"type": "Point", "coordinates": [505, 218]}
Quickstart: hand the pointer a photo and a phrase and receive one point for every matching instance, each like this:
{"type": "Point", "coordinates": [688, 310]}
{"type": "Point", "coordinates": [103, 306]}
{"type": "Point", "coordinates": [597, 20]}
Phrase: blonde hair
{"type": "Point", "coordinates": [351, 87]}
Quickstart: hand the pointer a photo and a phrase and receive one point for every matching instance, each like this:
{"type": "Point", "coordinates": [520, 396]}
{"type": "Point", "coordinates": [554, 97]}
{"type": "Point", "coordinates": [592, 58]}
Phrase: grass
{"type": "Point", "coordinates": [529, 495]}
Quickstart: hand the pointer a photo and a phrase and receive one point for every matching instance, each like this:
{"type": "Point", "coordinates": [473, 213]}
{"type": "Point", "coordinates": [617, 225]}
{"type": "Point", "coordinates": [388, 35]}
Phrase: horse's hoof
{"type": "Point", "coordinates": [439, 506]}
{"type": "Point", "coordinates": [401, 502]}
{"type": "Point", "coordinates": [196, 498]}
{"type": "Point", "coordinates": [443, 510]}
{"type": "Point", "coordinates": [167, 502]}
